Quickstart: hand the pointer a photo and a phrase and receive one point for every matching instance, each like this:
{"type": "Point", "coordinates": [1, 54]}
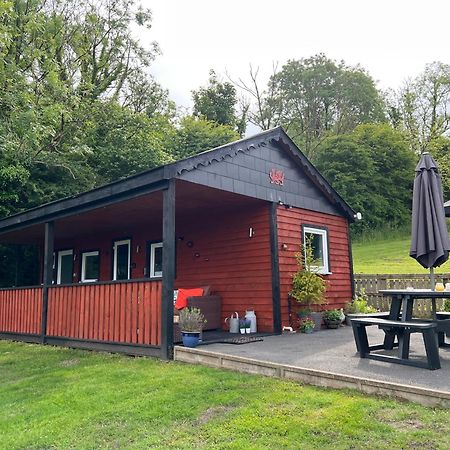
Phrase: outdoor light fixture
{"type": "Point", "coordinates": [251, 232]}
{"type": "Point", "coordinates": [280, 203]}
{"type": "Point", "coordinates": [358, 216]}
{"type": "Point", "coordinates": [284, 246]}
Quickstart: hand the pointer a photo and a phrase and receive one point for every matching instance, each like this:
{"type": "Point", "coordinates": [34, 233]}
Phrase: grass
{"type": "Point", "coordinates": [388, 252]}
{"type": "Point", "coordinates": [63, 398]}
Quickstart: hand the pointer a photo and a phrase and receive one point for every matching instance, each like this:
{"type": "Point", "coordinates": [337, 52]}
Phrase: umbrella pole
{"type": "Point", "coordinates": [432, 278]}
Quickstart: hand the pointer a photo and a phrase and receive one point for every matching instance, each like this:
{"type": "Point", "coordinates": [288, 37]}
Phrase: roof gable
{"type": "Point", "coordinates": [246, 167]}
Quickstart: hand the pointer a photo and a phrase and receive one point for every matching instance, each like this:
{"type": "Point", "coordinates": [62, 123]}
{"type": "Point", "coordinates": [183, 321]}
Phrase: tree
{"type": "Point", "coordinates": [261, 106]}
{"type": "Point", "coordinates": [424, 104]}
{"type": "Point", "coordinates": [373, 169]}
{"type": "Point", "coordinates": [61, 63]}
{"type": "Point", "coordinates": [122, 142]}
{"type": "Point", "coordinates": [217, 102]}
{"type": "Point", "coordinates": [440, 149]}
{"type": "Point", "coordinates": [321, 97]}
{"type": "Point", "coordinates": [196, 135]}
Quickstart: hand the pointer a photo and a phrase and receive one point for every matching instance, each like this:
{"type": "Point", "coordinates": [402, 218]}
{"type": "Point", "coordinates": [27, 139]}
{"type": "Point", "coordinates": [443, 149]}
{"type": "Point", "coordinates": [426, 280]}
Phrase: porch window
{"type": "Point", "coordinates": [90, 267]}
{"type": "Point", "coordinates": [64, 269]}
{"type": "Point", "coordinates": [317, 238]}
{"type": "Point", "coordinates": [121, 264]}
{"type": "Point", "coordinates": [156, 250]}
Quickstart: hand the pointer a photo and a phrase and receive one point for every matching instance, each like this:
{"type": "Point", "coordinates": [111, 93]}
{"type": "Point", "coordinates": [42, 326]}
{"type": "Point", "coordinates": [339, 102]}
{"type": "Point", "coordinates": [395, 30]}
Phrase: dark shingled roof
{"type": "Point", "coordinates": [154, 179]}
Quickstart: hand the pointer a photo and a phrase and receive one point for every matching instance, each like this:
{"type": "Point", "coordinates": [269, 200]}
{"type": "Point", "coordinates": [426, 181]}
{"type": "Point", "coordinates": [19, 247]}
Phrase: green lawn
{"type": "Point", "coordinates": [388, 255]}
{"type": "Point", "coordinates": [62, 398]}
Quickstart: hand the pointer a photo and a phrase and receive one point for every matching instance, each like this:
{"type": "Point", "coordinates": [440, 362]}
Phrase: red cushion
{"type": "Point", "coordinates": [183, 295]}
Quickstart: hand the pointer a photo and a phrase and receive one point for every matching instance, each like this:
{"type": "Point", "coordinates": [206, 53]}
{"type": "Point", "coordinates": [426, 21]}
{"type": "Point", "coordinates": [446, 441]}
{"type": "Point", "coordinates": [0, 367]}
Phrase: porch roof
{"type": "Point", "coordinates": [157, 179]}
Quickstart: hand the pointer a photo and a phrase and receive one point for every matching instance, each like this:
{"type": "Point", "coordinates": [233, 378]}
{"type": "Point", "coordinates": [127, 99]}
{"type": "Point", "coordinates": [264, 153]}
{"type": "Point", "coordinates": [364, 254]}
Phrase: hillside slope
{"type": "Point", "coordinates": [388, 255]}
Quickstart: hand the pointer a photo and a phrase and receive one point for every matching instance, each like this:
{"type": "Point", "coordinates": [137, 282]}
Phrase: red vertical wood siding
{"type": "Point", "coordinates": [290, 223]}
{"type": "Point", "coordinates": [116, 312]}
{"type": "Point", "coordinates": [223, 256]}
{"type": "Point", "coordinates": [20, 310]}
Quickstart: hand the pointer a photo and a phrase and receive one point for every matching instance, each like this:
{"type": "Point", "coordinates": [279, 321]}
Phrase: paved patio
{"type": "Point", "coordinates": [331, 353]}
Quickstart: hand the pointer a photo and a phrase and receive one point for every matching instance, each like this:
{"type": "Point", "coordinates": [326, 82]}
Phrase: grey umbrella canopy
{"type": "Point", "coordinates": [430, 244]}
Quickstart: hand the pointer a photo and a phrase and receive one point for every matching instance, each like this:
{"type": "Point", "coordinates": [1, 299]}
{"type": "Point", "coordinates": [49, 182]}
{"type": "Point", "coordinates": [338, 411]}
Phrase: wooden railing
{"type": "Point", "coordinates": [20, 310]}
{"type": "Point", "coordinates": [127, 312]}
{"type": "Point", "coordinates": [373, 283]}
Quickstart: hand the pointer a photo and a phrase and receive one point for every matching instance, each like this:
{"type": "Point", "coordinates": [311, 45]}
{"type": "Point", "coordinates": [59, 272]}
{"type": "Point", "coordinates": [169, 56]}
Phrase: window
{"type": "Point", "coordinates": [156, 251]}
{"type": "Point", "coordinates": [121, 265]}
{"type": "Point", "coordinates": [64, 269]}
{"type": "Point", "coordinates": [318, 240]}
{"type": "Point", "coordinates": [90, 267]}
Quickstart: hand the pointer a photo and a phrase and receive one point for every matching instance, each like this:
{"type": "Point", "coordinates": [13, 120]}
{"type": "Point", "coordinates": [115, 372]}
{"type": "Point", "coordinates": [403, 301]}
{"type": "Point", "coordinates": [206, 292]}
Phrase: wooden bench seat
{"type": "Point", "coordinates": [402, 330]}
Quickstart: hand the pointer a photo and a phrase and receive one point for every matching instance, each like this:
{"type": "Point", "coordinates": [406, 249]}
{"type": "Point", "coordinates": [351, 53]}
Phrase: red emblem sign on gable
{"type": "Point", "coordinates": [276, 177]}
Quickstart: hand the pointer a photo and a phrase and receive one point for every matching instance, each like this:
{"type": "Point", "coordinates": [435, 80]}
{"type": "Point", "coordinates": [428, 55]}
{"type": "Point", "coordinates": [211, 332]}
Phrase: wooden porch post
{"type": "Point", "coordinates": [48, 274]}
{"type": "Point", "coordinates": [276, 296]}
{"type": "Point", "coordinates": [168, 270]}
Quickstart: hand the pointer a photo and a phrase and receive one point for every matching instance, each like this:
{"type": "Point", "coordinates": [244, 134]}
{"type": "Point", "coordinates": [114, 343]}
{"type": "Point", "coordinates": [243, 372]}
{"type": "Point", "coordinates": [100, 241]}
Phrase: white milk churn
{"type": "Point", "coordinates": [250, 315]}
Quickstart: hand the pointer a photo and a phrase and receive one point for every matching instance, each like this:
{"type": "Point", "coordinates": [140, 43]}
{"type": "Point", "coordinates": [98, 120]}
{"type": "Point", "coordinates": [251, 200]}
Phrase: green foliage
{"type": "Point", "coordinates": [373, 169]}
{"type": "Point", "coordinates": [447, 305]}
{"type": "Point", "coordinates": [191, 319]}
{"type": "Point", "coordinates": [332, 315]}
{"type": "Point", "coordinates": [308, 287]}
{"type": "Point", "coordinates": [63, 67]}
{"type": "Point", "coordinates": [320, 97]}
{"type": "Point", "coordinates": [217, 103]}
{"type": "Point", "coordinates": [423, 104]}
{"type": "Point", "coordinates": [196, 135]}
{"type": "Point", "coordinates": [359, 305]}
{"type": "Point", "coordinates": [440, 149]}
{"type": "Point", "coordinates": [307, 324]}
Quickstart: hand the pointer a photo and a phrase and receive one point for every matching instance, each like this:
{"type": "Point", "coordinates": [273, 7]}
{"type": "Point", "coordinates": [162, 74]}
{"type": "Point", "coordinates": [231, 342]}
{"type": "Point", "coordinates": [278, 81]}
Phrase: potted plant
{"type": "Point", "coordinates": [242, 326]}
{"type": "Point", "coordinates": [307, 325]}
{"type": "Point", "coordinates": [332, 318]}
{"type": "Point", "coordinates": [358, 306]}
{"type": "Point", "coordinates": [308, 286]}
{"type": "Point", "coordinates": [191, 323]}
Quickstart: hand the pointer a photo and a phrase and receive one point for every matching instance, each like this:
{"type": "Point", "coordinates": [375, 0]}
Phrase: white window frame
{"type": "Point", "coordinates": [62, 253]}
{"type": "Point", "coordinates": [83, 266]}
{"type": "Point", "coordinates": [154, 246]}
{"type": "Point", "coordinates": [323, 233]}
{"type": "Point", "coordinates": [116, 244]}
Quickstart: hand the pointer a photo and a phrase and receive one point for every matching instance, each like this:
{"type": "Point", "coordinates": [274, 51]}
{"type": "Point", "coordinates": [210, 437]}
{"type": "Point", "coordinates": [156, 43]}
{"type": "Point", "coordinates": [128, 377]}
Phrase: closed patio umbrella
{"type": "Point", "coordinates": [430, 244]}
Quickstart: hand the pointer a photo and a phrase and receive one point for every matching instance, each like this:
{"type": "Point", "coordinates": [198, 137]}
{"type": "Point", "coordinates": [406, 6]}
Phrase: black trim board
{"type": "Point", "coordinates": [31, 338]}
{"type": "Point", "coordinates": [75, 205]}
{"type": "Point", "coordinates": [168, 271]}
{"type": "Point", "coordinates": [113, 347]}
{"type": "Point", "coordinates": [276, 292]}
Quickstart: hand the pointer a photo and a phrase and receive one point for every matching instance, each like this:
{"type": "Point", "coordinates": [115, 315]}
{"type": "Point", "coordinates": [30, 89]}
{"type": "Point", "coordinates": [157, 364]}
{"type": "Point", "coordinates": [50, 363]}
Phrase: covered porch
{"type": "Point", "coordinates": [106, 271]}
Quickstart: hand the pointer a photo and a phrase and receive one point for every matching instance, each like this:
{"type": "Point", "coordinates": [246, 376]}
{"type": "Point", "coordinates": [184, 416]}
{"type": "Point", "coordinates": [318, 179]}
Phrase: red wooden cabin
{"type": "Point", "coordinates": [231, 218]}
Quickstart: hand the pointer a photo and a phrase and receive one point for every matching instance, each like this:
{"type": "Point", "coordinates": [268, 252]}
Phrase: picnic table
{"type": "Point", "coordinates": [400, 323]}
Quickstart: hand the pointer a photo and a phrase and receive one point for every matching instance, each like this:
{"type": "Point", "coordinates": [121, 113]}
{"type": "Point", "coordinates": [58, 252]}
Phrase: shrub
{"type": "Point", "coordinates": [191, 320]}
{"type": "Point", "coordinates": [332, 315]}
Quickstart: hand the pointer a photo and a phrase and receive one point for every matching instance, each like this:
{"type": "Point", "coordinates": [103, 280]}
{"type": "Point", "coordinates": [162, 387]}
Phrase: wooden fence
{"type": "Point", "coordinates": [372, 284]}
{"type": "Point", "coordinates": [126, 312]}
{"type": "Point", "coordinates": [20, 310]}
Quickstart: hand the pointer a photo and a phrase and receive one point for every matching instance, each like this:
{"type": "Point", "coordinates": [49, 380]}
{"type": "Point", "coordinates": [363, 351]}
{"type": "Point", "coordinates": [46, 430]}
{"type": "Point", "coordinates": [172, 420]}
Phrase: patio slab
{"type": "Point", "coordinates": [329, 358]}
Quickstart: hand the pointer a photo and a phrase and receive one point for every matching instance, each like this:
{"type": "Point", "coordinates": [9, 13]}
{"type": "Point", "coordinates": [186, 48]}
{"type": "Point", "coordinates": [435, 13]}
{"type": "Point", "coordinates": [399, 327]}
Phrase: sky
{"type": "Point", "coordinates": [392, 40]}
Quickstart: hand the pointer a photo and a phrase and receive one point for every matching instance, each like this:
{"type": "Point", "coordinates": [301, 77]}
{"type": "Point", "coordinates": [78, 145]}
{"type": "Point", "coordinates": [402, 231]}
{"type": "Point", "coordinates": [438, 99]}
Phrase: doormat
{"type": "Point", "coordinates": [242, 340]}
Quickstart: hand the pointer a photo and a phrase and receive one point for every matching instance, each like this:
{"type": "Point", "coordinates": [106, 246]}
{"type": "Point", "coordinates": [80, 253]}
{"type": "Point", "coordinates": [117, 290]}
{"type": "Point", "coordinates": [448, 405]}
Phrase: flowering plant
{"type": "Point", "coordinates": [307, 324]}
